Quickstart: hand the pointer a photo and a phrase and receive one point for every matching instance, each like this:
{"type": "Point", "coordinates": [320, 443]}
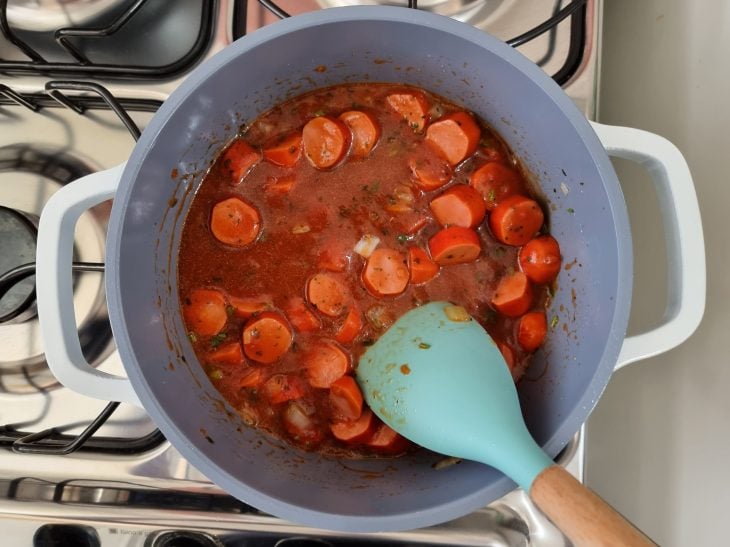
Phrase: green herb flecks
{"type": "Point", "coordinates": [490, 316]}
{"type": "Point", "coordinates": [193, 337]}
{"type": "Point", "coordinates": [230, 310]}
{"type": "Point", "coordinates": [402, 238]}
{"type": "Point", "coordinates": [570, 210]}
{"type": "Point", "coordinates": [424, 345]}
{"type": "Point", "coordinates": [554, 322]}
{"type": "Point", "coordinates": [371, 188]}
{"type": "Point", "coordinates": [218, 339]}
{"type": "Point", "coordinates": [487, 141]}
{"type": "Point", "coordinates": [216, 374]}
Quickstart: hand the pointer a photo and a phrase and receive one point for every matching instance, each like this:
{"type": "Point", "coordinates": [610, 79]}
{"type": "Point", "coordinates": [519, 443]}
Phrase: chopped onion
{"type": "Point", "coordinates": [564, 188]}
{"type": "Point", "coordinates": [446, 462]}
{"type": "Point", "coordinates": [248, 414]}
{"type": "Point", "coordinates": [297, 417]}
{"type": "Point", "coordinates": [436, 111]}
{"type": "Point", "coordinates": [457, 313]}
{"type": "Point", "coordinates": [379, 317]}
{"type": "Point", "coordinates": [265, 128]}
{"type": "Point", "coordinates": [366, 245]}
{"type": "Point", "coordinates": [300, 229]}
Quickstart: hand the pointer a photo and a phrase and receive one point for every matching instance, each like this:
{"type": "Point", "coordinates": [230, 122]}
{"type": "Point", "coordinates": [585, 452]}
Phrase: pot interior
{"type": "Point", "coordinates": [554, 142]}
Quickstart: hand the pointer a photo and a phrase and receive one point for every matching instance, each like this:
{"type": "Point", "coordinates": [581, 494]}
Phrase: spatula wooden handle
{"type": "Point", "coordinates": [581, 515]}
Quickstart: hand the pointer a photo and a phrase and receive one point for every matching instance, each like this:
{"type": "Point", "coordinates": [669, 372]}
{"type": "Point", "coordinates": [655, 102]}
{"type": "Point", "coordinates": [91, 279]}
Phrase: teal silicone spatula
{"type": "Point", "coordinates": [438, 379]}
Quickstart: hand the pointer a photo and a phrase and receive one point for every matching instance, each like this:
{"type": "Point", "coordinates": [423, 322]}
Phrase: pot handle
{"type": "Point", "coordinates": [683, 236]}
{"type": "Point", "coordinates": [54, 288]}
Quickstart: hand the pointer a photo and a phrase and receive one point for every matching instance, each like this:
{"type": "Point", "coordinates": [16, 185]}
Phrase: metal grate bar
{"type": "Point", "coordinates": [274, 8]}
{"type": "Point", "coordinates": [7, 92]}
{"type": "Point", "coordinates": [548, 24]}
{"type": "Point", "coordinates": [56, 440]}
{"type": "Point", "coordinates": [53, 440]}
{"type": "Point", "coordinates": [575, 9]}
{"type": "Point", "coordinates": [54, 87]}
{"type": "Point", "coordinates": [62, 35]}
{"type": "Point", "coordinates": [83, 65]}
{"type": "Point", "coordinates": [32, 54]}
{"type": "Point", "coordinates": [33, 443]}
{"type": "Point", "coordinates": [576, 48]}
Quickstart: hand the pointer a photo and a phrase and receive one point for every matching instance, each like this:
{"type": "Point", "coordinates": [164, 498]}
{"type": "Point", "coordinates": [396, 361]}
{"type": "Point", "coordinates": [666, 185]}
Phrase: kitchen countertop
{"type": "Point", "coordinates": [659, 440]}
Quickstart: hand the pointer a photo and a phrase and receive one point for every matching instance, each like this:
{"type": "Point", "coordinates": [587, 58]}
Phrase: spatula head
{"type": "Point", "coordinates": [438, 378]}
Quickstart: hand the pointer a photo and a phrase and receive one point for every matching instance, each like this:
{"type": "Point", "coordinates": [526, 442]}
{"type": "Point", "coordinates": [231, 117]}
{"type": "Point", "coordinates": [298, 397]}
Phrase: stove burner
{"type": "Point", "coordinates": [66, 534]}
{"type": "Point", "coordinates": [29, 174]}
{"type": "Point", "coordinates": [186, 538]}
{"type": "Point", "coordinates": [18, 235]}
{"type": "Point", "coordinates": [125, 38]}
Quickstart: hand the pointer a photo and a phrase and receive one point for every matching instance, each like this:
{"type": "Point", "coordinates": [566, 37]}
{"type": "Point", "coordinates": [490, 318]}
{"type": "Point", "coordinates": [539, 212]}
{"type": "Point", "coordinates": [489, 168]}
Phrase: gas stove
{"type": "Point", "coordinates": [78, 471]}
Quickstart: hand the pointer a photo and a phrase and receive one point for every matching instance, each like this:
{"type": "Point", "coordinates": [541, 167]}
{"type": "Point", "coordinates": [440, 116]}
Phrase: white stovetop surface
{"type": "Point", "coordinates": [659, 441]}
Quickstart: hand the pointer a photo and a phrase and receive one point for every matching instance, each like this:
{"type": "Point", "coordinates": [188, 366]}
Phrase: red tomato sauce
{"type": "Point", "coordinates": [279, 305]}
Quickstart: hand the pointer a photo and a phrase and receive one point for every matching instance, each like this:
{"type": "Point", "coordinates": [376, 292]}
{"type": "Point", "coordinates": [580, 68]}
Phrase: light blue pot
{"type": "Point", "coordinates": [540, 124]}
{"type": "Point", "coordinates": [377, 44]}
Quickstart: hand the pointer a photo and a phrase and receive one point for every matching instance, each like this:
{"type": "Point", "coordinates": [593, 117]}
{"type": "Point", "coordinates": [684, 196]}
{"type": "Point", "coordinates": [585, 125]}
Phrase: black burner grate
{"type": "Point", "coordinates": [75, 43]}
{"type": "Point", "coordinates": [54, 440]}
{"type": "Point", "coordinates": [576, 10]}
{"type": "Point", "coordinates": [82, 63]}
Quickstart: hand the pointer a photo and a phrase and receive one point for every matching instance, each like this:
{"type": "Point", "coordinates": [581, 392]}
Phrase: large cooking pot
{"type": "Point", "coordinates": [377, 44]}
